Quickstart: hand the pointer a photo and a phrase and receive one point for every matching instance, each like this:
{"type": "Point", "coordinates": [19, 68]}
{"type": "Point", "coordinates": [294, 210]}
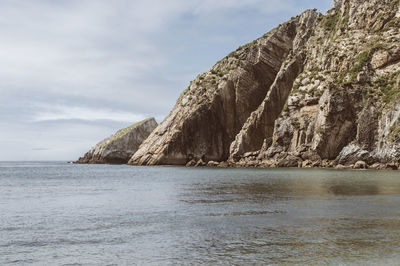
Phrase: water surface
{"type": "Point", "coordinates": [61, 214]}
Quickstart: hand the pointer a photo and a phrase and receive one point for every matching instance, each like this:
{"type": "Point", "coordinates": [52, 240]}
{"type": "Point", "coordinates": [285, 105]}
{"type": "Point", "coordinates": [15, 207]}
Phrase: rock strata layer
{"type": "Point", "coordinates": [121, 146]}
{"type": "Point", "coordinates": [317, 91]}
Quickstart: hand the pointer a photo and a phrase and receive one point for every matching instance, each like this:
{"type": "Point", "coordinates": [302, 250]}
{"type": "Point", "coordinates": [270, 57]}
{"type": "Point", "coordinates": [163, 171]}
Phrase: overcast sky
{"type": "Point", "coordinates": [72, 72]}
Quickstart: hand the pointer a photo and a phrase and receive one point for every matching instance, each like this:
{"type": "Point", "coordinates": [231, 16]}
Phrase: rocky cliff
{"type": "Point", "coordinates": [120, 147]}
{"type": "Point", "coordinates": [318, 90]}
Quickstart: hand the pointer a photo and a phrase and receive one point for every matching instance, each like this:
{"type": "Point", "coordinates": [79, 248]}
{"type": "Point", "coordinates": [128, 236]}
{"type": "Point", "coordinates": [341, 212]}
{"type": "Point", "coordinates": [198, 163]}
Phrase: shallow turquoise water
{"type": "Point", "coordinates": [62, 214]}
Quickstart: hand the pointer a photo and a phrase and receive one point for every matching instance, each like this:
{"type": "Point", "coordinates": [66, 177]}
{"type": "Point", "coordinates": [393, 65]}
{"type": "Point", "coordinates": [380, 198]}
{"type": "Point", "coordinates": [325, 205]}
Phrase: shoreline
{"type": "Point", "coordinates": [227, 165]}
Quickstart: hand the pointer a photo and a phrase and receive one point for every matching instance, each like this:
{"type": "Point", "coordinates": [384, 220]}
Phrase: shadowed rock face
{"type": "Point", "coordinates": [319, 90]}
{"type": "Point", "coordinates": [209, 114]}
{"type": "Point", "coordinates": [260, 125]}
{"type": "Point", "coordinates": [120, 147]}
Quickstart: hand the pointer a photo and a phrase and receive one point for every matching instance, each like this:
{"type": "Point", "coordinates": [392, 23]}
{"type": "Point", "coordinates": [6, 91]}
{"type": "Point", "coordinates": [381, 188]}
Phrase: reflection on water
{"type": "Point", "coordinates": [168, 215]}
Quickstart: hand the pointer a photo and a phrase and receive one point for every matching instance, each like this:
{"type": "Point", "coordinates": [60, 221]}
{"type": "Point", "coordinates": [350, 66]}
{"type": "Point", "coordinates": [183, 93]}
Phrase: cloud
{"type": "Point", "coordinates": [74, 71]}
{"type": "Point", "coordinates": [78, 48]}
{"type": "Point", "coordinates": [102, 49]}
{"type": "Point", "coordinates": [56, 113]}
{"type": "Point", "coordinates": [40, 149]}
{"type": "Point", "coordinates": [64, 140]}
{"type": "Point", "coordinates": [266, 7]}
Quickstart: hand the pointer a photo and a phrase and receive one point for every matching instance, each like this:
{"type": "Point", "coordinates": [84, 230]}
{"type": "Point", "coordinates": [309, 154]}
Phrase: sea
{"type": "Point", "coordinates": [55, 213]}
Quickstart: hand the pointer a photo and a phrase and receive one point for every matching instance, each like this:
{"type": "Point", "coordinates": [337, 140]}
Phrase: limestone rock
{"type": "Point", "coordinates": [317, 91]}
{"type": "Point", "coordinates": [392, 166]}
{"type": "Point", "coordinates": [360, 165]}
{"type": "Point", "coordinates": [212, 164]}
{"type": "Point", "coordinates": [352, 154]}
{"type": "Point", "coordinates": [260, 124]}
{"type": "Point", "coordinates": [380, 59]}
{"type": "Point", "coordinates": [377, 166]}
{"type": "Point", "coordinates": [290, 161]}
{"type": "Point", "coordinates": [200, 163]}
{"type": "Point", "coordinates": [340, 166]}
{"type": "Point", "coordinates": [120, 147]}
{"type": "Point", "coordinates": [210, 113]}
{"type": "Point", "coordinates": [191, 163]}
{"type": "Point", "coordinates": [311, 156]}
{"type": "Point", "coordinates": [306, 164]}
{"type": "Point", "coordinates": [223, 165]}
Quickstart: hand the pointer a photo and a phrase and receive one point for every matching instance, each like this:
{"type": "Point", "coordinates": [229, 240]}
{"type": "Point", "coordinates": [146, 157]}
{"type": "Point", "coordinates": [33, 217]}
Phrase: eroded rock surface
{"type": "Point", "coordinates": [317, 91]}
{"type": "Point", "coordinates": [120, 147]}
{"type": "Point", "coordinates": [213, 109]}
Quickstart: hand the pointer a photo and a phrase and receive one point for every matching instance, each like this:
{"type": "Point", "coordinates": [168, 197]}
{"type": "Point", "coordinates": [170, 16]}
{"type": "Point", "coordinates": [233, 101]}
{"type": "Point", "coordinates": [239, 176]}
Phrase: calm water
{"type": "Point", "coordinates": [61, 214]}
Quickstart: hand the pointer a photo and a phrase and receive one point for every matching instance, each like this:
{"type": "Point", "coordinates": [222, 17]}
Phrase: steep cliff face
{"type": "Point", "coordinates": [343, 107]}
{"type": "Point", "coordinates": [120, 147]}
{"type": "Point", "coordinates": [319, 90]}
{"type": "Point", "coordinates": [213, 109]}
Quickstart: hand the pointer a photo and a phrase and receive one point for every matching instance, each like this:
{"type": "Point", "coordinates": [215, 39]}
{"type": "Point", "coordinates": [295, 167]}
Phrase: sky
{"type": "Point", "coordinates": [72, 72]}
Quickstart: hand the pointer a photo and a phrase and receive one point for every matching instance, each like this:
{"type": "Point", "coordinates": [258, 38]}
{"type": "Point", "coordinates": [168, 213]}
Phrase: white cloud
{"type": "Point", "coordinates": [61, 141]}
{"type": "Point", "coordinates": [55, 113]}
{"type": "Point", "coordinates": [79, 48]}
{"type": "Point", "coordinates": [266, 7]}
{"type": "Point", "coordinates": [117, 61]}
{"type": "Point", "coordinates": [102, 48]}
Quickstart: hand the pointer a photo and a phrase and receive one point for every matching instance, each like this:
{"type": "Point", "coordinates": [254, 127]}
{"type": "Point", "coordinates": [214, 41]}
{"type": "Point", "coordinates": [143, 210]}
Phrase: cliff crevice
{"type": "Point", "coordinates": [317, 91]}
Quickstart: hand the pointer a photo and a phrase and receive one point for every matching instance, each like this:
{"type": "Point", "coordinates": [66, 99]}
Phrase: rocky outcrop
{"type": "Point", "coordinates": [317, 91]}
{"type": "Point", "coordinates": [260, 124]}
{"type": "Point", "coordinates": [211, 111]}
{"type": "Point", "coordinates": [120, 147]}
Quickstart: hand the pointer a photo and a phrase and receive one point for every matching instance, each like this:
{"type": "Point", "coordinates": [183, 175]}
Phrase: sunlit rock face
{"type": "Point", "coordinates": [318, 90]}
{"type": "Point", "coordinates": [120, 147]}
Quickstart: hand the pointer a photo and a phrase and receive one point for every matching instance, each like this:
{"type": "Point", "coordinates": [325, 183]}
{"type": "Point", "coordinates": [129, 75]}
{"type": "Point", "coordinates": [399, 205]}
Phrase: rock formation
{"type": "Point", "coordinates": [120, 147]}
{"type": "Point", "coordinates": [318, 90]}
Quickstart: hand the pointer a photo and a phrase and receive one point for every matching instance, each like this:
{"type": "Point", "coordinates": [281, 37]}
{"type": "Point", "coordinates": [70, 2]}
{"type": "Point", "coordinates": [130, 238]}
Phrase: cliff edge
{"type": "Point", "coordinates": [318, 90]}
{"type": "Point", "coordinates": [119, 148]}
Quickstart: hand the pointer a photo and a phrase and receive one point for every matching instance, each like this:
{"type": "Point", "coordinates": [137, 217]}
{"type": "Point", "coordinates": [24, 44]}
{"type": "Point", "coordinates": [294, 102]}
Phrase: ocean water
{"type": "Point", "coordinates": [53, 213]}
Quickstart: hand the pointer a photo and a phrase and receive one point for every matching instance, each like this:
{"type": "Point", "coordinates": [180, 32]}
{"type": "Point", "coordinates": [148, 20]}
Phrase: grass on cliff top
{"type": "Point", "coordinates": [122, 132]}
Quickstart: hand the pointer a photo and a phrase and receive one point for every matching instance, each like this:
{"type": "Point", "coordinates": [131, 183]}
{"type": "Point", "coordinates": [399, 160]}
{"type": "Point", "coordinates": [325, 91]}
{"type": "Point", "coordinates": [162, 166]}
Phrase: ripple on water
{"type": "Point", "coordinates": [60, 214]}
